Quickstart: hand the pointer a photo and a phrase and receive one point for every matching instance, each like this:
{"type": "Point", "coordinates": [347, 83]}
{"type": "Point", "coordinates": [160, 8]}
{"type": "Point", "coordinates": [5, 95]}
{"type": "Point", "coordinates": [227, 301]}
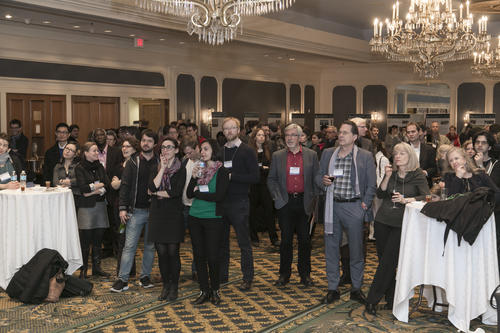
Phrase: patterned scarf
{"type": "Point", "coordinates": [165, 180]}
{"type": "Point", "coordinates": [208, 172]}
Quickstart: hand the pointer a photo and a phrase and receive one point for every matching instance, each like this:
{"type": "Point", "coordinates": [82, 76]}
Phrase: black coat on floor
{"type": "Point", "coordinates": [31, 283]}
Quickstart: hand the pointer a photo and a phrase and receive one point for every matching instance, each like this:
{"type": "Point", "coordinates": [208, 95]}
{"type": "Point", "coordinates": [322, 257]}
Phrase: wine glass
{"type": "Point", "coordinates": [393, 193]}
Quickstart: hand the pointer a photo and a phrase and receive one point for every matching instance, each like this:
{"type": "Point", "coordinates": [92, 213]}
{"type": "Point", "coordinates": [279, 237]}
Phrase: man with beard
{"type": "Point", "coordinates": [134, 211]}
{"type": "Point", "coordinates": [110, 158]}
{"type": "Point", "coordinates": [425, 153]}
{"type": "Point", "coordinates": [241, 162]}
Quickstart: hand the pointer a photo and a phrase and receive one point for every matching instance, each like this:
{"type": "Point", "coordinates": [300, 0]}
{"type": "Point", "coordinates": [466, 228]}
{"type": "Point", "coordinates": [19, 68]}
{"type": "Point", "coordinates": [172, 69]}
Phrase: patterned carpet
{"type": "Point", "coordinates": [265, 308]}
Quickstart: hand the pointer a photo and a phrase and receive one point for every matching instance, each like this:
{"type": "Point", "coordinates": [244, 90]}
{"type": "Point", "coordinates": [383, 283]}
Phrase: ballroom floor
{"type": "Point", "coordinates": [265, 308]}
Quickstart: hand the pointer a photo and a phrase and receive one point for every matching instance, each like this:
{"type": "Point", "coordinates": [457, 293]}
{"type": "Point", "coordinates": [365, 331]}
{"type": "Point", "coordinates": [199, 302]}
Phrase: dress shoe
{"type": "Point", "coordinates": [164, 293]}
{"type": "Point", "coordinates": [331, 297]}
{"type": "Point", "coordinates": [357, 295]}
{"type": "Point", "coordinates": [371, 309]}
{"type": "Point", "coordinates": [215, 299]}
{"type": "Point", "coordinates": [282, 281]}
{"type": "Point", "coordinates": [83, 273]}
{"type": "Point", "coordinates": [306, 281]}
{"type": "Point", "coordinates": [245, 285]}
{"type": "Point", "coordinates": [97, 271]}
{"type": "Point", "coordinates": [202, 298]}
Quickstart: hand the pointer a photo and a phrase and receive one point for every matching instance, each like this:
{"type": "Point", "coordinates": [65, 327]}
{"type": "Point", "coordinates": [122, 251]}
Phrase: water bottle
{"type": "Point", "coordinates": [22, 178]}
{"type": "Point", "coordinates": [13, 177]}
{"type": "Point", "coordinates": [121, 228]}
{"type": "Point", "coordinates": [201, 166]}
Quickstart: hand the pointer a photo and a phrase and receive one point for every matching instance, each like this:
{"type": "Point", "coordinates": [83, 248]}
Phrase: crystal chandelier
{"type": "Point", "coordinates": [214, 21]}
{"type": "Point", "coordinates": [430, 35]}
{"type": "Point", "coordinates": [487, 61]}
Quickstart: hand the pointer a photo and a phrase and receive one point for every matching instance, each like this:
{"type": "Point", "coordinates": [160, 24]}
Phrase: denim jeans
{"type": "Point", "coordinates": [135, 224]}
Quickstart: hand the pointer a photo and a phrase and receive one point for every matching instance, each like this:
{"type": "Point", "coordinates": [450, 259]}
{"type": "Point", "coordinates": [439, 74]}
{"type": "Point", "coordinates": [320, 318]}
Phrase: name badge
{"type": "Point", "coordinates": [228, 164]}
{"type": "Point", "coordinates": [294, 171]}
{"type": "Point", "coordinates": [4, 176]}
{"type": "Point", "coordinates": [203, 188]}
{"type": "Point", "coordinates": [338, 172]}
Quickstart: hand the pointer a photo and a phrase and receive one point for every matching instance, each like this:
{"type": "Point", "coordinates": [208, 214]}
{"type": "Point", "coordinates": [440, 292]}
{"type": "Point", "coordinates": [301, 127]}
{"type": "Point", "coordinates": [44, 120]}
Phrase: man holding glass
{"type": "Point", "coordinates": [347, 174]}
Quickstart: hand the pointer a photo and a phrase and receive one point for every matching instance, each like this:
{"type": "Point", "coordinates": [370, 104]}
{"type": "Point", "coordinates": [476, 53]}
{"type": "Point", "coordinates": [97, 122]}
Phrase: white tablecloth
{"type": "Point", "coordinates": [466, 274]}
{"type": "Point", "coordinates": [33, 220]}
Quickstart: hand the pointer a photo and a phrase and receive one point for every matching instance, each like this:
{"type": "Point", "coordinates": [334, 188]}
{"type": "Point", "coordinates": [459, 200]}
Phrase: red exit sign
{"type": "Point", "coordinates": [139, 42]}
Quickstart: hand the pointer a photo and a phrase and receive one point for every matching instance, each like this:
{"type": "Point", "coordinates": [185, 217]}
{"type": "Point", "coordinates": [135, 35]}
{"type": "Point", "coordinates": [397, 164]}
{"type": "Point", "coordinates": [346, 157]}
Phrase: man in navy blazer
{"type": "Point", "coordinates": [347, 174]}
{"type": "Point", "coordinates": [292, 187]}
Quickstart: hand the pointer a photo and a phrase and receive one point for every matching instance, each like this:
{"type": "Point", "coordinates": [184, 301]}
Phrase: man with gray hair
{"type": "Point", "coordinates": [291, 183]}
{"type": "Point", "coordinates": [362, 141]}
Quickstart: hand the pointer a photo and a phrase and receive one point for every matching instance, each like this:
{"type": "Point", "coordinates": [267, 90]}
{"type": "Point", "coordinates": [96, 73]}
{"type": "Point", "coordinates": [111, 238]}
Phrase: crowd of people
{"type": "Point", "coordinates": [168, 182]}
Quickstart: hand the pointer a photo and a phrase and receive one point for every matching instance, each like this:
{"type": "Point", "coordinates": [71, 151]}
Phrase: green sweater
{"type": "Point", "coordinates": [205, 209]}
{"type": "Point", "coordinates": [414, 185]}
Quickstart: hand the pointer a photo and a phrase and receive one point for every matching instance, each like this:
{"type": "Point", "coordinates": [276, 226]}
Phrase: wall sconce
{"type": "Point", "coordinates": [376, 116]}
{"type": "Point", "coordinates": [467, 116]}
{"type": "Point", "coordinates": [206, 116]}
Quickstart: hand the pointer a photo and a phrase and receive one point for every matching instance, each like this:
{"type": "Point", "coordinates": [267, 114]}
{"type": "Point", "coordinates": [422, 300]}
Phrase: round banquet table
{"type": "Point", "coordinates": [33, 220]}
{"type": "Point", "coordinates": [465, 276]}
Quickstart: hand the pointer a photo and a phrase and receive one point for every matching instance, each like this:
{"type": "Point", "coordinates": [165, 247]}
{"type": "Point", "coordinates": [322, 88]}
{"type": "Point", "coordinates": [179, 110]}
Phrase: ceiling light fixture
{"type": "Point", "coordinates": [162, 39]}
{"type": "Point", "coordinates": [107, 31]}
{"type": "Point", "coordinates": [46, 22]}
{"type": "Point", "coordinates": [76, 26]}
{"type": "Point", "coordinates": [132, 35]}
{"type": "Point", "coordinates": [8, 16]}
{"type": "Point", "coordinates": [431, 35]}
{"type": "Point", "coordinates": [214, 21]}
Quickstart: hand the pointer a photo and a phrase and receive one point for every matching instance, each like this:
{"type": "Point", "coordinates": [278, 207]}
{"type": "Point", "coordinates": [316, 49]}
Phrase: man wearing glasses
{"type": "Point", "coordinates": [241, 162]}
{"type": "Point", "coordinates": [53, 154]}
{"type": "Point", "coordinates": [291, 183]}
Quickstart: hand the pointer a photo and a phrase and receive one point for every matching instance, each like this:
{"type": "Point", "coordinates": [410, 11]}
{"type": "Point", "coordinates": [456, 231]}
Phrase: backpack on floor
{"type": "Point", "coordinates": [76, 287]}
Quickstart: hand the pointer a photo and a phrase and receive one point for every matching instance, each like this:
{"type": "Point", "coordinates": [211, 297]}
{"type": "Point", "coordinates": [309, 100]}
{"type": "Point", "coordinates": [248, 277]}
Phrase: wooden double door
{"type": "Point", "coordinates": [39, 115]}
{"type": "Point", "coordinates": [91, 112]}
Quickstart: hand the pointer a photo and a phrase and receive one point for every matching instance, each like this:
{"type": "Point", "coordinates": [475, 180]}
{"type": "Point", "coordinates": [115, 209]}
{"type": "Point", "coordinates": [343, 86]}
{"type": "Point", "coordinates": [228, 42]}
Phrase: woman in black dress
{"type": "Point", "coordinates": [92, 214]}
{"type": "Point", "coordinates": [261, 202]}
{"type": "Point", "coordinates": [166, 223]}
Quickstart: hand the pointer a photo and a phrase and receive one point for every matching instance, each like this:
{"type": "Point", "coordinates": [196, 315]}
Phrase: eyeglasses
{"type": "Point", "coordinates": [69, 149]}
{"type": "Point", "coordinates": [126, 146]}
{"type": "Point", "coordinates": [169, 147]}
{"type": "Point", "coordinates": [230, 128]}
{"type": "Point", "coordinates": [62, 132]}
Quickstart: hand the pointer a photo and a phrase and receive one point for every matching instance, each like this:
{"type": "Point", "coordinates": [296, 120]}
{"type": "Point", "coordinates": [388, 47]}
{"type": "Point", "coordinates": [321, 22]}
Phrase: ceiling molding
{"type": "Point", "coordinates": [256, 30]}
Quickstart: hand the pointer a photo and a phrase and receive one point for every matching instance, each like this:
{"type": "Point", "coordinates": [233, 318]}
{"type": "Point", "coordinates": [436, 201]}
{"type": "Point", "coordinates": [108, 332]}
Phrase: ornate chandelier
{"type": "Point", "coordinates": [487, 61]}
{"type": "Point", "coordinates": [214, 21]}
{"type": "Point", "coordinates": [430, 35]}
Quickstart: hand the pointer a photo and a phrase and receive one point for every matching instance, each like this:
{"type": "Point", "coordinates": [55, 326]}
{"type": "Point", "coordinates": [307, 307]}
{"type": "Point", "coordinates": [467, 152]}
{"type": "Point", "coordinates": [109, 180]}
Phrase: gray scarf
{"type": "Point", "coordinates": [4, 157]}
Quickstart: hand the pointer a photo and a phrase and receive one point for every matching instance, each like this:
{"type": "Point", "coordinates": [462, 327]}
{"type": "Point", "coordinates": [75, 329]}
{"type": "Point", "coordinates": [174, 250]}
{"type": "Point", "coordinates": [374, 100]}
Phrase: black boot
{"type": "Point", "coordinates": [96, 263]}
{"type": "Point", "coordinates": [345, 278]}
{"type": "Point", "coordinates": [173, 292]}
{"type": "Point", "coordinates": [85, 258]}
{"type": "Point", "coordinates": [164, 292]}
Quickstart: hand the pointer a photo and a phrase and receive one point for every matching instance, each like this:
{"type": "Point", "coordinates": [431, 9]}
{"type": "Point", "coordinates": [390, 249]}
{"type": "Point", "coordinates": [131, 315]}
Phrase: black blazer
{"type": "Point", "coordinates": [52, 157]}
{"type": "Point", "coordinates": [87, 173]}
{"type": "Point", "coordinates": [427, 160]}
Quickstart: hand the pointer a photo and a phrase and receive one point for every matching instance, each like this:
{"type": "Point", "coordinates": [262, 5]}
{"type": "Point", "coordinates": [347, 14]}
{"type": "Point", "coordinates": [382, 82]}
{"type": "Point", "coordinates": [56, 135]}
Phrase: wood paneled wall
{"type": "Point", "coordinates": [90, 112]}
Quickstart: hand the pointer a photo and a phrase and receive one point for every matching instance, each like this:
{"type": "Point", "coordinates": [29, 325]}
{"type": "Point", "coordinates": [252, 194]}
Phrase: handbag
{"type": "Point", "coordinates": [76, 287]}
{"type": "Point", "coordinates": [56, 286]}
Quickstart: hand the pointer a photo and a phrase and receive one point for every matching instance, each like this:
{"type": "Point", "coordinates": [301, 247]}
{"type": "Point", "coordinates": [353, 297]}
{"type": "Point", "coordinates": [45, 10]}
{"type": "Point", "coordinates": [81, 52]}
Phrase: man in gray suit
{"type": "Point", "coordinates": [292, 187]}
{"type": "Point", "coordinates": [347, 174]}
